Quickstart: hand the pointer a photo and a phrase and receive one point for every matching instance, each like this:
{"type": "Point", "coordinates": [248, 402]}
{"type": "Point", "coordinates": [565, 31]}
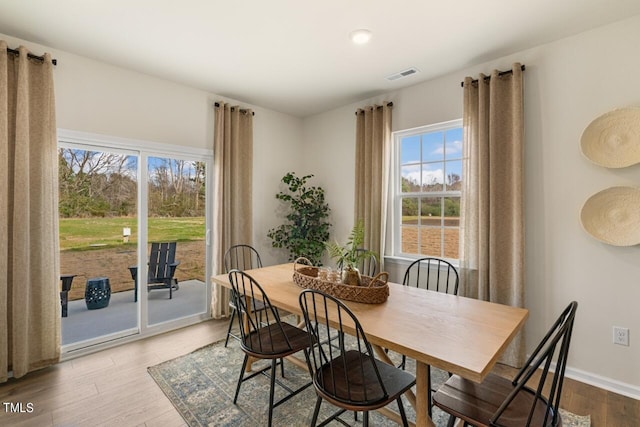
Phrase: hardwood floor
{"type": "Point", "coordinates": [108, 388]}
{"type": "Point", "coordinates": [112, 388]}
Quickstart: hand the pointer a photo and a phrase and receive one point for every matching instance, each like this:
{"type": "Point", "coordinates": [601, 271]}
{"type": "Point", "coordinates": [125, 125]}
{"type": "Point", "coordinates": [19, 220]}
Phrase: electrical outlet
{"type": "Point", "coordinates": [620, 335]}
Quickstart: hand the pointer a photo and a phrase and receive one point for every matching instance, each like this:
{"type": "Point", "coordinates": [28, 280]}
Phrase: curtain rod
{"type": "Point", "coordinates": [500, 74]}
{"type": "Point", "coordinates": [31, 56]}
{"type": "Point", "coordinates": [242, 110]}
{"type": "Point", "coordinates": [389, 104]}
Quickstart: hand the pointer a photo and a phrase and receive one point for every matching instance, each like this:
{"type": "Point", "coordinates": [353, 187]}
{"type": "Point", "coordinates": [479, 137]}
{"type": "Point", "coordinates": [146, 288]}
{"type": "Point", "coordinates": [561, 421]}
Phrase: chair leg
{"type": "Point", "coordinates": [452, 421]}
{"type": "Point", "coordinates": [365, 419]}
{"type": "Point", "coordinates": [244, 365]}
{"type": "Point", "coordinates": [403, 363]}
{"type": "Point", "coordinates": [316, 411]}
{"type": "Point", "coordinates": [272, 390]}
{"type": "Point", "coordinates": [233, 315]}
{"type": "Point", "coordinates": [403, 415]}
{"type": "Point", "coordinates": [429, 392]}
{"type": "Point", "coordinates": [64, 301]}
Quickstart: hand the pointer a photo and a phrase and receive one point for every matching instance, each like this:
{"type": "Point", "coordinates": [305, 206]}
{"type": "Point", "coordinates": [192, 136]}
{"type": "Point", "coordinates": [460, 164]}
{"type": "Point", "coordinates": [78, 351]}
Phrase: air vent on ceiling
{"type": "Point", "coordinates": [402, 74]}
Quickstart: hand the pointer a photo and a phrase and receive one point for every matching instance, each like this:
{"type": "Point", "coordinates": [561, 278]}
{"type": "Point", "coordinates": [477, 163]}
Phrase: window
{"type": "Point", "coordinates": [427, 192]}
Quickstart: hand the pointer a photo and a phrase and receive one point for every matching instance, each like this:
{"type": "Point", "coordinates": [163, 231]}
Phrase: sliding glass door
{"type": "Point", "coordinates": [176, 230]}
{"type": "Point", "coordinates": [97, 204]}
{"type": "Point", "coordinates": [133, 248]}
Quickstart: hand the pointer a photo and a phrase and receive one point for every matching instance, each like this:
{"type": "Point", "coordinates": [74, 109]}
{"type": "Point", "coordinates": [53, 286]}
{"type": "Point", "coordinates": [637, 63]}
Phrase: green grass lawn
{"type": "Point", "coordinates": [82, 234]}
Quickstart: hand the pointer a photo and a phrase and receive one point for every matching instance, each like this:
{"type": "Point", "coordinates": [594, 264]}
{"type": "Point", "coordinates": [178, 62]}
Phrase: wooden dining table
{"type": "Point", "coordinates": [460, 335]}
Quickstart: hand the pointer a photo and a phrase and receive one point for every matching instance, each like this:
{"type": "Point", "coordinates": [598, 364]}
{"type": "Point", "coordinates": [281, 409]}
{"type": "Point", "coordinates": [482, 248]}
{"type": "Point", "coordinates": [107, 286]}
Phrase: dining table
{"type": "Point", "coordinates": [463, 336]}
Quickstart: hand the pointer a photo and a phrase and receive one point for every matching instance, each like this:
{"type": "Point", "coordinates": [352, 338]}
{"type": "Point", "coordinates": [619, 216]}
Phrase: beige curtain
{"type": "Point", "coordinates": [373, 151]}
{"type": "Point", "coordinates": [492, 262]}
{"type": "Point", "coordinates": [29, 263]}
{"type": "Point", "coordinates": [233, 166]}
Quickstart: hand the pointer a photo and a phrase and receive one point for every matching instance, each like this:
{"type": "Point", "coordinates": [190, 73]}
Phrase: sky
{"type": "Point", "coordinates": [431, 155]}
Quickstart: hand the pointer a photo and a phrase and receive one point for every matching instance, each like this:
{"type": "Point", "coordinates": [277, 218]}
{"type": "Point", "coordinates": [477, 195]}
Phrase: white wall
{"type": "Point", "coordinates": [568, 83]}
{"type": "Point", "coordinates": [329, 154]}
{"type": "Point", "coordinates": [277, 151]}
{"type": "Point", "coordinates": [99, 98]}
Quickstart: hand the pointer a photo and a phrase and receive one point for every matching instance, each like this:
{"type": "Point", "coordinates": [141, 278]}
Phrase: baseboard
{"type": "Point", "coordinates": [605, 383]}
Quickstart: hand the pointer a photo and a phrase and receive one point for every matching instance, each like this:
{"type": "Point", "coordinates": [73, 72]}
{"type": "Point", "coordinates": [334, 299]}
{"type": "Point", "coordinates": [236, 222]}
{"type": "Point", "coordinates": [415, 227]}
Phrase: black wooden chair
{"type": "Point", "coordinates": [347, 375]}
{"type": "Point", "coordinates": [263, 335]}
{"type": "Point", "coordinates": [434, 274]}
{"type": "Point", "coordinates": [498, 401]}
{"type": "Point", "coordinates": [162, 267]}
{"type": "Point", "coordinates": [240, 257]}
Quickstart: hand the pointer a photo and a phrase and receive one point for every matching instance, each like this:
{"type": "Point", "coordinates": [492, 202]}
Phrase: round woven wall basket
{"type": "Point", "coordinates": [373, 290]}
{"type": "Point", "coordinates": [613, 216]}
{"type": "Point", "coordinates": [612, 140]}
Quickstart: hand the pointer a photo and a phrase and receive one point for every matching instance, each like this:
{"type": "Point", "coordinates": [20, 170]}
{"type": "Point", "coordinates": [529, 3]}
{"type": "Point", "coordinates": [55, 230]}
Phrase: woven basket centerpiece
{"type": "Point", "coordinates": [373, 290]}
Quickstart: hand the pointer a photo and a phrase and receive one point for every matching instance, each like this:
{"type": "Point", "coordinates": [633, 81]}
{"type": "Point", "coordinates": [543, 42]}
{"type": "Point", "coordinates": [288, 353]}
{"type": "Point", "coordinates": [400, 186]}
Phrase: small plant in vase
{"type": "Point", "coordinates": [349, 255]}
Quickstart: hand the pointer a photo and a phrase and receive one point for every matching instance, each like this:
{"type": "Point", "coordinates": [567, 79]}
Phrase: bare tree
{"type": "Point", "coordinates": [95, 183]}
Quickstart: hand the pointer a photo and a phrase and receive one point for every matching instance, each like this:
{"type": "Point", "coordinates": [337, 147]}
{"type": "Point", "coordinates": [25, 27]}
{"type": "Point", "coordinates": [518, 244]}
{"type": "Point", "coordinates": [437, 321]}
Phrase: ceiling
{"type": "Point", "coordinates": [295, 56]}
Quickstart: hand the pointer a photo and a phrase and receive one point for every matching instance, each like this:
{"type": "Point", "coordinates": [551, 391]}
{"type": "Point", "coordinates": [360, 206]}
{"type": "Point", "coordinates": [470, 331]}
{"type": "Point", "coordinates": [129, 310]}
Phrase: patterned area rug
{"type": "Point", "coordinates": [201, 386]}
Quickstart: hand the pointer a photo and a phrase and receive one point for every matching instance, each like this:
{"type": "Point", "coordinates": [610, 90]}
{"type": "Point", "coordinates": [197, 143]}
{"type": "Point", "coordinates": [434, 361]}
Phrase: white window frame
{"type": "Point", "coordinates": [396, 186]}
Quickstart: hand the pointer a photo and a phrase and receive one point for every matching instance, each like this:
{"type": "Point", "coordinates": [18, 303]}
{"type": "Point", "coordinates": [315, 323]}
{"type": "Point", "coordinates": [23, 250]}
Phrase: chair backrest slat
{"type": "Point", "coordinates": [161, 256]}
{"type": "Point", "coordinates": [441, 275]}
{"type": "Point", "coordinates": [241, 257]}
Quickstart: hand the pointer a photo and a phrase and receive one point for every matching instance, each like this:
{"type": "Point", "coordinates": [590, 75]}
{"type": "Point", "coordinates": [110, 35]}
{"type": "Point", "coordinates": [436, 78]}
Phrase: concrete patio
{"type": "Point", "coordinates": [121, 314]}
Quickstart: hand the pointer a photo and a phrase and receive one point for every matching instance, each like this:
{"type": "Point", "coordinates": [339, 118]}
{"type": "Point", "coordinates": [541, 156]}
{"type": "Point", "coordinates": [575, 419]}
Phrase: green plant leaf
{"type": "Point", "coordinates": [307, 227]}
{"type": "Point", "coordinates": [350, 254]}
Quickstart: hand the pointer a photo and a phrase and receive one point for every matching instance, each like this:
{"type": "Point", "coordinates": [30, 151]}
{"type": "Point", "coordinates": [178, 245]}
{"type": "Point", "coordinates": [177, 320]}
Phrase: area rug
{"type": "Point", "coordinates": [201, 386]}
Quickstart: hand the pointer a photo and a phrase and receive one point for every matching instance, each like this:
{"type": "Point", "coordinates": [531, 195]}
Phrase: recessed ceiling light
{"type": "Point", "coordinates": [360, 36]}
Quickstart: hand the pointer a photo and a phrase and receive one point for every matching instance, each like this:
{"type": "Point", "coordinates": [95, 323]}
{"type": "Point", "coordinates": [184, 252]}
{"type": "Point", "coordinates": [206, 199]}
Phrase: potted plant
{"type": "Point", "coordinates": [349, 255]}
{"type": "Point", "coordinates": [307, 228]}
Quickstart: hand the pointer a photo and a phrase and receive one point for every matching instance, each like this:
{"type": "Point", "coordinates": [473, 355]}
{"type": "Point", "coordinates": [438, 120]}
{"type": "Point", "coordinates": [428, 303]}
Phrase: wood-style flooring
{"type": "Point", "coordinates": [112, 388]}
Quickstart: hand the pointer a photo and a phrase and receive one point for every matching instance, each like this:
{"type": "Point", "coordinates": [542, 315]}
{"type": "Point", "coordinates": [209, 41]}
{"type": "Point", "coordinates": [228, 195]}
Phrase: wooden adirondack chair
{"type": "Point", "coordinates": [162, 267]}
